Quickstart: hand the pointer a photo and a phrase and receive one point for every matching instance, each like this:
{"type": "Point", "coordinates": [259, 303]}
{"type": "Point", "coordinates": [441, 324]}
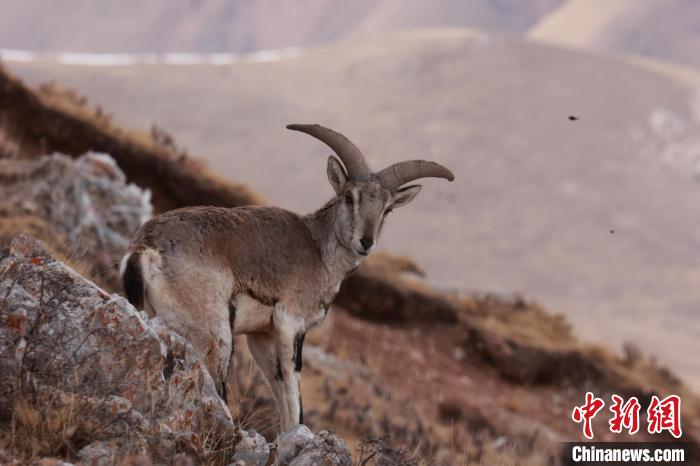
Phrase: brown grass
{"type": "Point", "coordinates": [59, 120]}
{"type": "Point", "coordinates": [522, 341]}
{"type": "Point", "coordinates": [40, 432]}
{"type": "Point", "coordinates": [48, 422]}
{"type": "Point", "coordinates": [56, 243]}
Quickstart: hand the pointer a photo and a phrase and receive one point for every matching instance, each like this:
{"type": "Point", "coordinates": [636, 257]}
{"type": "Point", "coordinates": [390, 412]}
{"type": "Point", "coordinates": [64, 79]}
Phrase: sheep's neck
{"type": "Point", "coordinates": [339, 259]}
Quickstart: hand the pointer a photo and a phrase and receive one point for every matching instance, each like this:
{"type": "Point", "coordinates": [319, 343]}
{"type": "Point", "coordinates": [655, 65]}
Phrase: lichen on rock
{"type": "Point", "coordinates": [83, 208]}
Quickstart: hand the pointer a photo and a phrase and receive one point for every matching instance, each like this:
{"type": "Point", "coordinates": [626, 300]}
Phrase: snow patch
{"type": "Point", "coordinates": [128, 59]}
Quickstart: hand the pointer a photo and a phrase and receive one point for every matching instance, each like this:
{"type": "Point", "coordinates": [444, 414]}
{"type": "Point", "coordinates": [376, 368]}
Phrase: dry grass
{"type": "Point", "coordinates": [378, 452]}
{"type": "Point", "coordinates": [56, 243]}
{"type": "Point", "coordinates": [47, 422]}
{"type": "Point", "coordinates": [55, 119]}
{"type": "Point", "coordinates": [41, 430]}
{"type": "Point", "coordinates": [524, 342]}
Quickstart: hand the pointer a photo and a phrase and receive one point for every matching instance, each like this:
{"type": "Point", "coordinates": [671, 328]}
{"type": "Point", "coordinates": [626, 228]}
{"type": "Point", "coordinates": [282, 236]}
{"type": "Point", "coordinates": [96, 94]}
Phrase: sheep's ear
{"type": "Point", "coordinates": [403, 196]}
{"type": "Point", "coordinates": [336, 175]}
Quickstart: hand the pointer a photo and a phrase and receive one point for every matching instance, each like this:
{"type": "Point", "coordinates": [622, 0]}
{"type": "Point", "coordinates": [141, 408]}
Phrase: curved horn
{"type": "Point", "coordinates": [396, 175]}
{"type": "Point", "coordinates": [352, 158]}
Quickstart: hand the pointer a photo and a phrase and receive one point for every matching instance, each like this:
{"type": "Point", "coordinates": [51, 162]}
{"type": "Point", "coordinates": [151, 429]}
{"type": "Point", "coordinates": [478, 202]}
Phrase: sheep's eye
{"type": "Point", "coordinates": [388, 211]}
{"type": "Point", "coordinates": [348, 198]}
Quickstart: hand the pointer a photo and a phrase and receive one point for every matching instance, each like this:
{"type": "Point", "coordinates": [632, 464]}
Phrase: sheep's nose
{"type": "Point", "coordinates": [367, 243]}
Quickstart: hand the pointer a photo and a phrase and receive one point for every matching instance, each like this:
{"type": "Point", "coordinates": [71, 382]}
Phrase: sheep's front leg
{"type": "Point", "coordinates": [289, 339]}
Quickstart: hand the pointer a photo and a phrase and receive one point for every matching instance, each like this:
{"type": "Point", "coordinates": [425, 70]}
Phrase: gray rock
{"type": "Point", "coordinates": [252, 449]}
{"type": "Point", "coordinates": [324, 449]}
{"type": "Point", "coordinates": [290, 443]}
{"type": "Point", "coordinates": [100, 453]}
{"type": "Point", "coordinates": [82, 206]}
{"type": "Point", "coordinates": [301, 447]}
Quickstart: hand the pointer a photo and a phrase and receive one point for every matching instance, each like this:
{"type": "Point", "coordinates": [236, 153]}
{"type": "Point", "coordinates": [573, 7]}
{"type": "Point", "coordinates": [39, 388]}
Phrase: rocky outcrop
{"type": "Point", "coordinates": [117, 378]}
{"type": "Point", "coordinates": [86, 377]}
{"type": "Point", "coordinates": [83, 208]}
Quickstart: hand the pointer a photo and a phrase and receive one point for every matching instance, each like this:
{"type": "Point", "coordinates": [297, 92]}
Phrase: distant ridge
{"type": "Point", "coordinates": [660, 29]}
{"type": "Point", "coordinates": [241, 26]}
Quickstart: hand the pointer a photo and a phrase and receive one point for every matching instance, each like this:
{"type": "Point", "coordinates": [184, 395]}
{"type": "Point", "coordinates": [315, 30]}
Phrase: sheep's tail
{"type": "Point", "coordinates": [132, 279]}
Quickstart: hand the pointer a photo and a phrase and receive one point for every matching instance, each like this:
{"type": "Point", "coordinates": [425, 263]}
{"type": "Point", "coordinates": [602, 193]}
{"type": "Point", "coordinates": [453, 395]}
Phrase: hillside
{"type": "Point", "coordinates": [483, 379]}
{"type": "Point", "coordinates": [582, 214]}
{"type": "Point", "coordinates": [240, 25]}
{"type": "Point", "coordinates": [660, 29]}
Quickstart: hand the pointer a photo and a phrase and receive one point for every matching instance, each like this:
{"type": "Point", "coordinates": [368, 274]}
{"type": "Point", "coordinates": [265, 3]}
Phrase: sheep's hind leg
{"type": "Point", "coordinates": [213, 343]}
{"type": "Point", "coordinates": [196, 306]}
{"type": "Point", "coordinates": [262, 347]}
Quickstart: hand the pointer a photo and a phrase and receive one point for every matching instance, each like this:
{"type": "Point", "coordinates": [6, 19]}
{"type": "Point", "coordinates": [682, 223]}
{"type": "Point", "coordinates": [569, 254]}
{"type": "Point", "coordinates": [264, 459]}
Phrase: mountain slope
{"type": "Point", "coordinates": [582, 214]}
{"type": "Point", "coordinates": [241, 25]}
{"type": "Point", "coordinates": [661, 29]}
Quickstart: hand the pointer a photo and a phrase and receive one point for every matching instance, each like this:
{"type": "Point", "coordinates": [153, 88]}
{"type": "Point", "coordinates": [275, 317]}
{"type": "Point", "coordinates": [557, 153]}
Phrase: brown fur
{"type": "Point", "coordinates": [269, 253]}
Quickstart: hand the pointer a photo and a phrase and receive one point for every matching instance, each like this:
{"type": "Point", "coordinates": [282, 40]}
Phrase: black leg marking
{"type": "Point", "coordinates": [298, 346]}
{"type": "Point", "coordinates": [132, 281]}
{"type": "Point", "coordinates": [301, 412]}
{"type": "Point", "coordinates": [278, 373]}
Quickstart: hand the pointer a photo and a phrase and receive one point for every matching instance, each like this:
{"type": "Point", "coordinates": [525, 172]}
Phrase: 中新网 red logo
{"type": "Point", "coordinates": [662, 415]}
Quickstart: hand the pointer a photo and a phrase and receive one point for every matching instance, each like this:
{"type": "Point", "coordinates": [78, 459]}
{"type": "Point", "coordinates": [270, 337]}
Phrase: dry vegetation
{"type": "Point", "coordinates": [44, 422]}
{"type": "Point", "coordinates": [485, 368]}
{"type": "Point", "coordinates": [527, 344]}
{"type": "Point", "coordinates": [460, 379]}
{"type": "Point", "coordinates": [54, 119]}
